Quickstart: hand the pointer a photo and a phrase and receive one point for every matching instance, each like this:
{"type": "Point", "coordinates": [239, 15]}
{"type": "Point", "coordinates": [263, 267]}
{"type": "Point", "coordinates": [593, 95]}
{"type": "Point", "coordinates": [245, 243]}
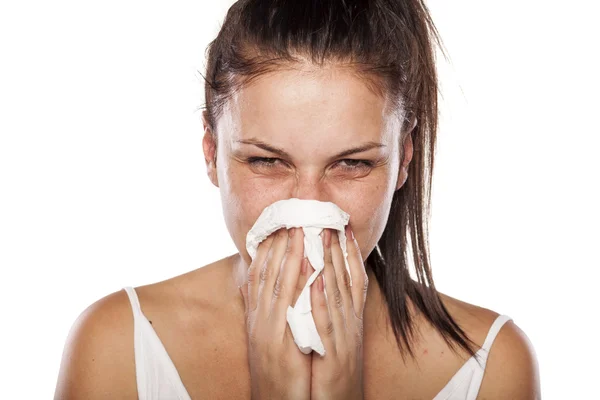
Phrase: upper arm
{"type": "Point", "coordinates": [512, 369]}
{"type": "Point", "coordinates": [98, 358]}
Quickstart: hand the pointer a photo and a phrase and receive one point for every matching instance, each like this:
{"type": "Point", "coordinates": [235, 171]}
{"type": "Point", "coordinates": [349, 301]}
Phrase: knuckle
{"type": "Point", "coordinates": [344, 279]}
{"type": "Point", "coordinates": [359, 334]}
{"type": "Point", "coordinates": [329, 328]}
{"type": "Point", "coordinates": [265, 273]}
{"type": "Point", "coordinates": [252, 275]}
{"type": "Point", "coordinates": [337, 298]}
{"type": "Point", "coordinates": [358, 339]}
{"type": "Point", "coordinates": [279, 289]}
{"type": "Point", "coordinates": [292, 251]}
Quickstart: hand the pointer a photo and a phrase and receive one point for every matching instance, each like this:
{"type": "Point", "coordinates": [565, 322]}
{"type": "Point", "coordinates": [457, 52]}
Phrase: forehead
{"type": "Point", "coordinates": [309, 101]}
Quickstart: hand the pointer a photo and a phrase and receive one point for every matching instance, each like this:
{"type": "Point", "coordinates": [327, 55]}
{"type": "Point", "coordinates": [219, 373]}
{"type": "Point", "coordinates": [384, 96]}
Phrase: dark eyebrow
{"type": "Point", "coordinates": [258, 143]}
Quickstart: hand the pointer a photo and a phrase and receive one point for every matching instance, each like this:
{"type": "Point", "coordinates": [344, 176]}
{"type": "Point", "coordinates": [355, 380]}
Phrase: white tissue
{"type": "Point", "coordinates": [312, 216]}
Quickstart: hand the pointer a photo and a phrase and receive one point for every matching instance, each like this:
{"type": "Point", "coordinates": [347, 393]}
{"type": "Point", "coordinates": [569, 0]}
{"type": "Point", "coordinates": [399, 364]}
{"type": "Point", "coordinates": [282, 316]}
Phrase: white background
{"type": "Point", "coordinates": [103, 183]}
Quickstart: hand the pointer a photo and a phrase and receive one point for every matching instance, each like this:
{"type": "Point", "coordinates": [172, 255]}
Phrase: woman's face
{"type": "Point", "coordinates": [296, 134]}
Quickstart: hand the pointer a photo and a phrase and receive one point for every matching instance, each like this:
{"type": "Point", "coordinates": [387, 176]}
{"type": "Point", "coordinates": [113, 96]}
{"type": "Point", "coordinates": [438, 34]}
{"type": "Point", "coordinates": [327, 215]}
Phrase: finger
{"type": "Point", "coordinates": [305, 271]}
{"type": "Point", "coordinates": [334, 295]}
{"type": "Point", "coordinates": [285, 286]}
{"type": "Point", "coordinates": [270, 271]}
{"type": "Point", "coordinates": [341, 276]}
{"type": "Point", "coordinates": [360, 280]}
{"type": "Point", "coordinates": [307, 274]}
{"type": "Point", "coordinates": [253, 273]}
{"type": "Point", "coordinates": [321, 316]}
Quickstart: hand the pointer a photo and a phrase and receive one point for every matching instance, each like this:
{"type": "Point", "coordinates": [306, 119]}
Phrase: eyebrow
{"type": "Point", "coordinates": [258, 143]}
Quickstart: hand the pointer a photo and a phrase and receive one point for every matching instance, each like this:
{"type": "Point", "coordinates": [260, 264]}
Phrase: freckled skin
{"type": "Point", "coordinates": [313, 115]}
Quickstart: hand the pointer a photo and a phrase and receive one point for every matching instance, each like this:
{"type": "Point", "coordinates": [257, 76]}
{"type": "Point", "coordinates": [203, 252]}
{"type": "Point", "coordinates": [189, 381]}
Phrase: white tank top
{"type": "Point", "coordinates": [158, 379]}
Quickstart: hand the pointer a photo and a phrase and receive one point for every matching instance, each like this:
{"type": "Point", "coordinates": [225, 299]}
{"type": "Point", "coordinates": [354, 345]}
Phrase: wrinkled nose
{"type": "Point", "coordinates": [310, 187]}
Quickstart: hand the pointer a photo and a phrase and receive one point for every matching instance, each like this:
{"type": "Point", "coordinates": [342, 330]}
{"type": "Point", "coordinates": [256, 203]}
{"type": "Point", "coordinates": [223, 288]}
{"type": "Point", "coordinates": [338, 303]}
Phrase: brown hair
{"type": "Point", "coordinates": [389, 44]}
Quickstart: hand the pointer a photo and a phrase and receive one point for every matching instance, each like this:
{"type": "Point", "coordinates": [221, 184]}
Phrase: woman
{"type": "Point", "coordinates": [330, 100]}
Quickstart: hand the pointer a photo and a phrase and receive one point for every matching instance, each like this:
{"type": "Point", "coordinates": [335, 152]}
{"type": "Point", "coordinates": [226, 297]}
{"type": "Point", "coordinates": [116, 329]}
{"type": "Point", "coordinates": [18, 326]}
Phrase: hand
{"type": "Point", "coordinates": [278, 369]}
{"type": "Point", "coordinates": [339, 321]}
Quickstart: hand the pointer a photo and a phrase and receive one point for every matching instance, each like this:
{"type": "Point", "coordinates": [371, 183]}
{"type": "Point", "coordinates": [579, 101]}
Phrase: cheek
{"type": "Point", "coordinates": [368, 217]}
{"type": "Point", "coordinates": [245, 195]}
{"type": "Point", "coordinates": [369, 210]}
{"type": "Point", "coordinates": [251, 194]}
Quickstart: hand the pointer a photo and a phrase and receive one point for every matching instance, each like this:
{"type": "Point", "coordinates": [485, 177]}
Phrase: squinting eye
{"type": "Point", "coordinates": [356, 164]}
{"type": "Point", "coordinates": [352, 165]}
{"type": "Point", "coordinates": [262, 161]}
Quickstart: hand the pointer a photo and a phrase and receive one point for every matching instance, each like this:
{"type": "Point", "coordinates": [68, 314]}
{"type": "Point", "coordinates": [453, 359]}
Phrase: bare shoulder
{"type": "Point", "coordinates": [512, 370]}
{"type": "Point", "coordinates": [196, 316]}
{"type": "Point", "coordinates": [474, 318]}
{"type": "Point", "coordinates": [98, 360]}
{"type": "Point", "coordinates": [98, 357]}
{"type": "Point", "coordinates": [205, 289]}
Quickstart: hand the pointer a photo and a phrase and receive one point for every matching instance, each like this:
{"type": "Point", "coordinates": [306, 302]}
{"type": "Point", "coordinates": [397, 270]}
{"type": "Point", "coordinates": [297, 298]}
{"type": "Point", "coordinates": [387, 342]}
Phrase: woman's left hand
{"type": "Point", "coordinates": [339, 321]}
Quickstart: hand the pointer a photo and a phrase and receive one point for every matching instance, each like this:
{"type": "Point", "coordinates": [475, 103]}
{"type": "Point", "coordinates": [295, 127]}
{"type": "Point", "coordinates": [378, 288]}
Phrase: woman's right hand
{"type": "Point", "coordinates": [278, 369]}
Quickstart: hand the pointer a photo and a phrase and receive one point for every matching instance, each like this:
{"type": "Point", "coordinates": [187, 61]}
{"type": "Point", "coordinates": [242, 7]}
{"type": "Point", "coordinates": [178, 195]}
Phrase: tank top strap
{"type": "Point", "coordinates": [135, 302]}
{"type": "Point", "coordinates": [498, 323]}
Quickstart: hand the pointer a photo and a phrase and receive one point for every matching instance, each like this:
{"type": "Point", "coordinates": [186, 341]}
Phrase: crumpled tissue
{"type": "Point", "coordinates": [312, 216]}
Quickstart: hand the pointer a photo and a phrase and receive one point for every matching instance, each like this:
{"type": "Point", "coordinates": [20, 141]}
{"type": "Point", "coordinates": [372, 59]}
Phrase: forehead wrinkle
{"type": "Point", "coordinates": [362, 147]}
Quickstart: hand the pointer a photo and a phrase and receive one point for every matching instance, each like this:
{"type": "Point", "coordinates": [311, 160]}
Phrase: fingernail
{"type": "Point", "coordinates": [291, 232]}
{"type": "Point", "coordinates": [327, 238]}
{"type": "Point", "coordinates": [321, 284]}
{"type": "Point", "coordinates": [304, 265]}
